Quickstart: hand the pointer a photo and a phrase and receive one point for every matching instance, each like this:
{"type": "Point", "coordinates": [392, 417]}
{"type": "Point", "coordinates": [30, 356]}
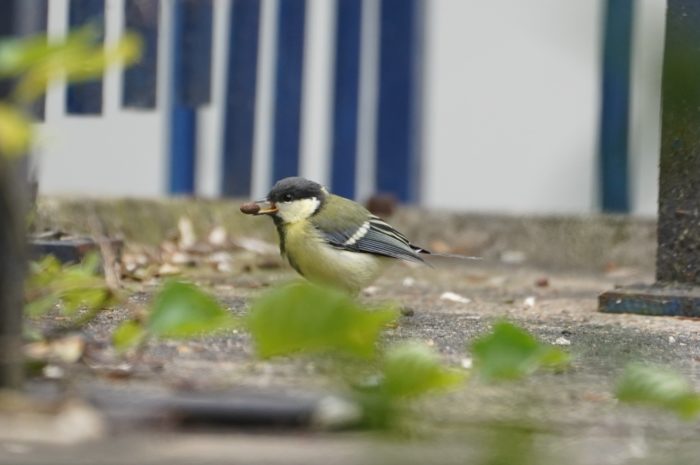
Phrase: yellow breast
{"type": "Point", "coordinates": [321, 263]}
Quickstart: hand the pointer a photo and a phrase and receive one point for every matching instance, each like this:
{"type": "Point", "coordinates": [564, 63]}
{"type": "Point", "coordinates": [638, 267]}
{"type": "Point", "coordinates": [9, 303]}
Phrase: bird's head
{"type": "Point", "coordinates": [293, 199]}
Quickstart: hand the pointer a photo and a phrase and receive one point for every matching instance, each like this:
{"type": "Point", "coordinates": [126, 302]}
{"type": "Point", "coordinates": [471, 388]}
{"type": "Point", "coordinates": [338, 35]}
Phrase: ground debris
{"type": "Point", "coordinates": [26, 419]}
{"type": "Point", "coordinates": [454, 297]}
{"type": "Point", "coordinates": [184, 250]}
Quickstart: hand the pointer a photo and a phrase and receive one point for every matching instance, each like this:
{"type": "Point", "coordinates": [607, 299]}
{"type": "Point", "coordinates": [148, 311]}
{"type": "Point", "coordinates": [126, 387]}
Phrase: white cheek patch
{"type": "Point", "coordinates": [359, 234]}
{"type": "Point", "coordinates": [297, 210]}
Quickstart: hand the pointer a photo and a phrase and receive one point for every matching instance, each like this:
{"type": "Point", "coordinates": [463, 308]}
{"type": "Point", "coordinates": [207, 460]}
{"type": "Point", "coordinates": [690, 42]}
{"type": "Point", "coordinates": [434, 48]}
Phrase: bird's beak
{"type": "Point", "coordinates": [266, 208]}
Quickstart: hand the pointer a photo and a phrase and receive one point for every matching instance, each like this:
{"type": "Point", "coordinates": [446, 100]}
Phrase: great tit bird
{"type": "Point", "coordinates": [329, 239]}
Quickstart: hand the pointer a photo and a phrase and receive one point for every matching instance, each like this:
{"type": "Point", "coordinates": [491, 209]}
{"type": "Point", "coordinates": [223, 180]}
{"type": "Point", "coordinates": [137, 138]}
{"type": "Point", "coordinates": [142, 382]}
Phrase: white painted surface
{"type": "Point", "coordinates": [512, 105]}
{"type": "Point", "coordinates": [368, 100]}
{"type": "Point", "coordinates": [317, 91]}
{"type": "Point", "coordinates": [265, 99]}
{"type": "Point", "coordinates": [645, 123]}
{"type": "Point", "coordinates": [211, 117]}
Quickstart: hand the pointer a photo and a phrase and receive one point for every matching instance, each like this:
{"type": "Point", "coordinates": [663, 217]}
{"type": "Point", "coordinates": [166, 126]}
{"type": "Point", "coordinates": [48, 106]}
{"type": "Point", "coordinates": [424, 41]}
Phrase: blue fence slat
{"type": "Point", "coordinates": [346, 97]}
{"type": "Point", "coordinates": [183, 149]}
{"type": "Point", "coordinates": [140, 79]}
{"type": "Point", "coordinates": [190, 86]}
{"type": "Point", "coordinates": [195, 45]}
{"type": "Point", "coordinates": [288, 87]}
{"type": "Point", "coordinates": [85, 98]}
{"type": "Point", "coordinates": [614, 121]}
{"type": "Point", "coordinates": [400, 50]}
{"type": "Point", "coordinates": [241, 89]}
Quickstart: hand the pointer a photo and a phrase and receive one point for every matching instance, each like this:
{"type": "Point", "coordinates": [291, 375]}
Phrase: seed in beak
{"type": "Point", "coordinates": [250, 208]}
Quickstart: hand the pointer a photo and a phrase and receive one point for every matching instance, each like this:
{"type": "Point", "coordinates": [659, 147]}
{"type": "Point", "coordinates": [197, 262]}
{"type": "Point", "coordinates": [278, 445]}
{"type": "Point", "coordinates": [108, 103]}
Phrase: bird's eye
{"type": "Point", "coordinates": [287, 197]}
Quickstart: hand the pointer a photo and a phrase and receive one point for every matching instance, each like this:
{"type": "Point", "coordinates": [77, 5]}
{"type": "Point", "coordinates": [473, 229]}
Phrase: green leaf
{"type": "Point", "coordinates": [510, 352]}
{"type": "Point", "coordinates": [409, 370]}
{"type": "Point", "coordinates": [302, 317]}
{"type": "Point", "coordinates": [41, 305]}
{"type": "Point", "coordinates": [84, 297]}
{"type": "Point", "coordinates": [73, 287]}
{"type": "Point", "coordinates": [182, 310]}
{"type": "Point", "coordinates": [15, 131]}
{"type": "Point", "coordinates": [18, 55]}
{"type": "Point", "coordinates": [127, 335]}
{"type": "Point", "coordinates": [412, 370]}
{"type": "Point", "coordinates": [658, 387]}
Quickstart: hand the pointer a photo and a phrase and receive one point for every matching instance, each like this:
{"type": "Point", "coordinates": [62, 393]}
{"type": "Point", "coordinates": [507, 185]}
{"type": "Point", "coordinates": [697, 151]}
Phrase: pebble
{"type": "Point", "coordinates": [454, 297]}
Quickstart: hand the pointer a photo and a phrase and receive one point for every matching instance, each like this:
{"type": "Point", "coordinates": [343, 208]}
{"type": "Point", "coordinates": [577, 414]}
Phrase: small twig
{"type": "Point", "coordinates": [109, 258]}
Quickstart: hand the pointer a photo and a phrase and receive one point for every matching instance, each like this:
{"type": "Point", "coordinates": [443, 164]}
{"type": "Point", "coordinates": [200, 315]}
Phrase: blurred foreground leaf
{"type": "Point", "coordinates": [81, 56]}
{"type": "Point", "coordinates": [127, 335]}
{"type": "Point", "coordinates": [182, 310]}
{"type": "Point", "coordinates": [412, 369]}
{"type": "Point", "coordinates": [15, 131]}
{"type": "Point", "coordinates": [32, 63]}
{"type": "Point", "coordinates": [179, 311]}
{"type": "Point", "coordinates": [409, 371]}
{"type": "Point", "coordinates": [658, 387]}
{"type": "Point", "coordinates": [510, 352]}
{"type": "Point", "coordinates": [70, 287]}
{"type": "Point", "coordinates": [302, 317]}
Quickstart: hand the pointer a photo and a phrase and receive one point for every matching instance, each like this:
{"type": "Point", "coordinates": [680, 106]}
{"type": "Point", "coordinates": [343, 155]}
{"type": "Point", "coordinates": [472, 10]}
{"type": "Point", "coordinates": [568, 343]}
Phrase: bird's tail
{"type": "Point", "coordinates": [421, 250]}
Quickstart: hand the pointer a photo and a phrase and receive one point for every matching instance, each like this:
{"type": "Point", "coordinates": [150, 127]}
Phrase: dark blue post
{"type": "Point", "coordinates": [346, 97]}
{"type": "Point", "coordinates": [140, 79]}
{"type": "Point", "coordinates": [241, 89]}
{"type": "Point", "coordinates": [398, 131]}
{"type": "Point", "coordinates": [191, 83]}
{"type": "Point", "coordinates": [614, 121]}
{"type": "Point", "coordinates": [288, 85]}
{"type": "Point", "coordinates": [86, 98]}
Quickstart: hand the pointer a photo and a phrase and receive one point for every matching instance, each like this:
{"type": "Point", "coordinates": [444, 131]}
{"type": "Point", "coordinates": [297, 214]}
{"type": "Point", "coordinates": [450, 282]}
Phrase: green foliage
{"type": "Point", "coordinates": [509, 352]}
{"type": "Point", "coordinates": [412, 370]}
{"type": "Point", "coordinates": [408, 371]}
{"type": "Point", "coordinates": [180, 310]}
{"type": "Point", "coordinates": [658, 387]}
{"type": "Point", "coordinates": [34, 62]}
{"type": "Point", "coordinates": [302, 317]}
{"type": "Point", "coordinates": [81, 56]}
{"type": "Point", "coordinates": [15, 131]}
{"type": "Point", "coordinates": [70, 287]}
{"type": "Point", "coordinates": [129, 334]}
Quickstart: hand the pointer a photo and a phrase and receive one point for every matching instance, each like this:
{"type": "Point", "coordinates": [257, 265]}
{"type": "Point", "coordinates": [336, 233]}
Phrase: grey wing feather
{"type": "Point", "coordinates": [379, 238]}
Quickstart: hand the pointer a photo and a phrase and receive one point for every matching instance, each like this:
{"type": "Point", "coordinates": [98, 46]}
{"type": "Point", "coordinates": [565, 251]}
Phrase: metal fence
{"type": "Point", "coordinates": [248, 91]}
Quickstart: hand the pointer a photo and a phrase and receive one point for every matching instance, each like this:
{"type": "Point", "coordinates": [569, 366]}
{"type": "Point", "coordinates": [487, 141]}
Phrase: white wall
{"type": "Point", "coordinates": [512, 105]}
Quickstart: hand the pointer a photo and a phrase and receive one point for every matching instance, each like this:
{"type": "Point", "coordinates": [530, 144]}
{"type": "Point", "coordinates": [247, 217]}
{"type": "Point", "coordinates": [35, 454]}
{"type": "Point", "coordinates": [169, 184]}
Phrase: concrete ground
{"type": "Point", "coordinates": [548, 418]}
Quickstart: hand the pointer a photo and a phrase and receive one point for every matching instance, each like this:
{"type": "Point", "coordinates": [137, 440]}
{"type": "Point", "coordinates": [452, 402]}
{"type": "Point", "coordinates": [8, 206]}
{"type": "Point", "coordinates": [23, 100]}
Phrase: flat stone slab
{"type": "Point", "coordinates": [666, 300]}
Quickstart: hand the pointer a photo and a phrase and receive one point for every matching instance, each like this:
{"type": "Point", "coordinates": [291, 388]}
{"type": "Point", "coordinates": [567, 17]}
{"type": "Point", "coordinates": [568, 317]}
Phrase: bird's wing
{"type": "Point", "coordinates": [373, 235]}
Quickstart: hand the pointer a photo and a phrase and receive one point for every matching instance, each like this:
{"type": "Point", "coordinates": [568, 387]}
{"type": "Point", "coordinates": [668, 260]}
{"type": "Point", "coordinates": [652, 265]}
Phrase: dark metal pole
{"type": "Point", "coordinates": [28, 16]}
{"type": "Point", "coordinates": [12, 269]}
{"type": "Point", "coordinates": [678, 258]}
